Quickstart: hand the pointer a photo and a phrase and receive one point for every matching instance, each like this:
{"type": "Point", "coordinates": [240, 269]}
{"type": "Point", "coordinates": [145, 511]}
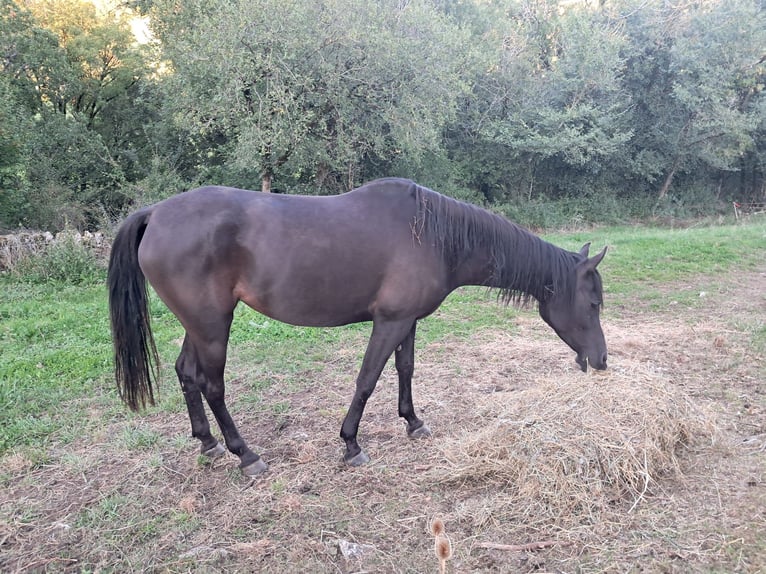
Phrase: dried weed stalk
{"type": "Point", "coordinates": [442, 543]}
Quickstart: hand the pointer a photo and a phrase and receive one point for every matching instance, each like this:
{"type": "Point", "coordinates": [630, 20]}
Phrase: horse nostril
{"type": "Point", "coordinates": [603, 360]}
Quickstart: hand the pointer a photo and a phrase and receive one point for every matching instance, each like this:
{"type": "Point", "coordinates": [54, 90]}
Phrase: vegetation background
{"type": "Point", "coordinates": [547, 110]}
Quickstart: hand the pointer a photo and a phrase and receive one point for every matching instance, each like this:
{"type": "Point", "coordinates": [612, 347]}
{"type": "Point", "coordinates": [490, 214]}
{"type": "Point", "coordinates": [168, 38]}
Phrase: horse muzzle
{"type": "Point", "coordinates": [583, 361]}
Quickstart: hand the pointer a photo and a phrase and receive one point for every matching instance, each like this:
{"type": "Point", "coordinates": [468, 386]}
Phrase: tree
{"type": "Point", "coordinates": [550, 112]}
{"type": "Point", "coordinates": [30, 58]}
{"type": "Point", "coordinates": [77, 82]}
{"type": "Point", "coordinates": [320, 94]}
{"type": "Point", "coordinates": [688, 66]}
{"type": "Point", "coordinates": [14, 130]}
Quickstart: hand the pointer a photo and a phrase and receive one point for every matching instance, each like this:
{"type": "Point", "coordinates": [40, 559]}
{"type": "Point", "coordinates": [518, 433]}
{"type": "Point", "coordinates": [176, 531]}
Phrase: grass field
{"type": "Point", "coordinates": [87, 486]}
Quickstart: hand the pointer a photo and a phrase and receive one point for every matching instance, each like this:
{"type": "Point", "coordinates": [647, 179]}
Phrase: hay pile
{"type": "Point", "coordinates": [568, 452]}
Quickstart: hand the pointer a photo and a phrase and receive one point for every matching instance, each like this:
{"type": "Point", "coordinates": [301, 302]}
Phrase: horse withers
{"type": "Point", "coordinates": [388, 252]}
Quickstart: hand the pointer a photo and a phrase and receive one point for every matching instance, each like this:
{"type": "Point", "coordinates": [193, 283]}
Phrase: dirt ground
{"type": "Point", "coordinates": [132, 496]}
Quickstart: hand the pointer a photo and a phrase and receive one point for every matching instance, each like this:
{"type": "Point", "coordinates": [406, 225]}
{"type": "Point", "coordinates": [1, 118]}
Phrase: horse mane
{"type": "Point", "coordinates": [524, 267]}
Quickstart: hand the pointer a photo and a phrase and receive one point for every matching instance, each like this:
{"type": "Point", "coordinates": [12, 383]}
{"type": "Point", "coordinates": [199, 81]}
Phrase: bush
{"type": "Point", "coordinates": [608, 209]}
{"type": "Point", "coordinates": [65, 260]}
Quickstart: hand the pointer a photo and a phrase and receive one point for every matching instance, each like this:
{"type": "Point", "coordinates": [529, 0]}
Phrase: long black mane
{"type": "Point", "coordinates": [524, 267]}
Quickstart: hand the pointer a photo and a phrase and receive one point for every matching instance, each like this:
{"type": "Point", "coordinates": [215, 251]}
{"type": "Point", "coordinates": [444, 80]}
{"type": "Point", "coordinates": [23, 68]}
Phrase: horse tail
{"type": "Point", "coordinates": [136, 362]}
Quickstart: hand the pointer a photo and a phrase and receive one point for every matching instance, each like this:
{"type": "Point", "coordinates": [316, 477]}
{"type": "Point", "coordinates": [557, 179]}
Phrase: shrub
{"type": "Point", "coordinates": [65, 260]}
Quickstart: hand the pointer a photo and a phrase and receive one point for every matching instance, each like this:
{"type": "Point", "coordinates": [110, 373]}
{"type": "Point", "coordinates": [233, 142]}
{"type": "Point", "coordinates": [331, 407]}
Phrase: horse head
{"type": "Point", "coordinates": [575, 316]}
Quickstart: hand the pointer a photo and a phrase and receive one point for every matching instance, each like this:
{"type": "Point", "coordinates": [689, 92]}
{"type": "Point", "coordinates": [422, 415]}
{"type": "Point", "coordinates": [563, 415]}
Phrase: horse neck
{"type": "Point", "coordinates": [475, 268]}
{"type": "Point", "coordinates": [514, 260]}
{"type": "Point", "coordinates": [482, 248]}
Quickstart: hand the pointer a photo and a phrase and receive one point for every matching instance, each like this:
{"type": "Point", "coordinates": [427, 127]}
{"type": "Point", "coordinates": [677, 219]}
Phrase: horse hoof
{"type": "Point", "coordinates": [255, 468]}
{"type": "Point", "coordinates": [216, 451]}
{"type": "Point", "coordinates": [359, 459]}
{"type": "Point", "coordinates": [420, 432]}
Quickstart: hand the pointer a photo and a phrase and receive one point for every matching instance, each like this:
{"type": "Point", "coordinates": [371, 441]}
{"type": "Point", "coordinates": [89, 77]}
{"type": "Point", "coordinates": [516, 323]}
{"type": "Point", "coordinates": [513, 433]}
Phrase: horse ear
{"type": "Point", "coordinates": [594, 261]}
{"type": "Point", "coordinates": [589, 265]}
{"type": "Point", "coordinates": [584, 249]}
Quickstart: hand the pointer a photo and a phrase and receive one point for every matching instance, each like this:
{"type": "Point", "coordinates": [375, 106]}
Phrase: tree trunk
{"type": "Point", "coordinates": [266, 182]}
{"type": "Point", "coordinates": [668, 180]}
{"type": "Point", "coordinates": [681, 144]}
{"type": "Point", "coordinates": [666, 185]}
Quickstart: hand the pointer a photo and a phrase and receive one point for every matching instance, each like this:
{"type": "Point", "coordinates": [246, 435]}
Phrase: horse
{"type": "Point", "coordinates": [388, 252]}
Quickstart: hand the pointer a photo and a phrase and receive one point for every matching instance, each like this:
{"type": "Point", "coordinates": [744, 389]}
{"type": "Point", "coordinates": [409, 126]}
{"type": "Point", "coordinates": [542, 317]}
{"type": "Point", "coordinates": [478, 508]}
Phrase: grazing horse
{"type": "Point", "coordinates": [388, 252]}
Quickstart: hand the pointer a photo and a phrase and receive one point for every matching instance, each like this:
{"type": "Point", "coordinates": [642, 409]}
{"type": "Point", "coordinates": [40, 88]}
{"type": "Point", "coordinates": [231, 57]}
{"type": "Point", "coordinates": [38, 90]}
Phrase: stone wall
{"type": "Point", "coordinates": [16, 246]}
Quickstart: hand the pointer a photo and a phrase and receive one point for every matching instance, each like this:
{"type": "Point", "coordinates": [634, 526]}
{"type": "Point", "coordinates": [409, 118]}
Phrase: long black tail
{"type": "Point", "coordinates": [136, 362]}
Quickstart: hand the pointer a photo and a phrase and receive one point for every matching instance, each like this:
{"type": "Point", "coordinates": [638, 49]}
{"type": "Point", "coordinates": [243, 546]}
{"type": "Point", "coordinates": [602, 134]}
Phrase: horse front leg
{"type": "Point", "coordinates": [405, 367]}
{"type": "Point", "coordinates": [386, 335]}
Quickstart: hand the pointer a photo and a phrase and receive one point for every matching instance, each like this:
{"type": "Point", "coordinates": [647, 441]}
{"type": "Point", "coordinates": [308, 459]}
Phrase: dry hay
{"type": "Point", "coordinates": [564, 453]}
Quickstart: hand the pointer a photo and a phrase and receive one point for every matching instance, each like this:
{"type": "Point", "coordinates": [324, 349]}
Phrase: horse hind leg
{"type": "Point", "coordinates": [189, 378]}
{"type": "Point", "coordinates": [405, 367]}
{"type": "Point", "coordinates": [207, 362]}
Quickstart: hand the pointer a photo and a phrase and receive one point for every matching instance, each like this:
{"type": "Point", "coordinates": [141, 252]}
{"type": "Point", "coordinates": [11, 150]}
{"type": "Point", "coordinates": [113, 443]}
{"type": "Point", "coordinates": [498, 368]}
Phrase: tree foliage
{"type": "Point", "coordinates": [312, 94]}
{"type": "Point", "coordinates": [71, 81]}
{"type": "Point", "coordinates": [695, 71]}
{"type": "Point", "coordinates": [615, 102]}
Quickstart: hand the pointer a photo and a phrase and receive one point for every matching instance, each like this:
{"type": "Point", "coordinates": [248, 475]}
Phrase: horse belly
{"type": "Point", "coordinates": [307, 302]}
{"type": "Point", "coordinates": [323, 289]}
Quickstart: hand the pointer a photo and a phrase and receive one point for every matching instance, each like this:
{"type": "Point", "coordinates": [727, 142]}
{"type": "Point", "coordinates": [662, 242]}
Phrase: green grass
{"type": "Point", "coordinates": [641, 259]}
{"type": "Point", "coordinates": [56, 348]}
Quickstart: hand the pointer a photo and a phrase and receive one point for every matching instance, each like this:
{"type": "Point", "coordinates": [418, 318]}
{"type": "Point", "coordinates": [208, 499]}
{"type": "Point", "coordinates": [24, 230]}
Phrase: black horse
{"type": "Point", "coordinates": [388, 252]}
